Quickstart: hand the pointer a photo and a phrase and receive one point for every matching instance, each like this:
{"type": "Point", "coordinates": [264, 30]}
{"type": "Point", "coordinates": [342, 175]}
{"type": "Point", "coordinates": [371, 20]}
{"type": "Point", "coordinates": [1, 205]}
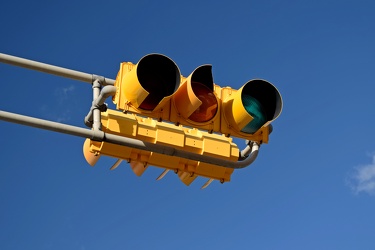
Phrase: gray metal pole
{"type": "Point", "coordinates": [51, 69]}
{"type": "Point", "coordinates": [119, 140]}
{"type": "Point", "coordinates": [96, 125]}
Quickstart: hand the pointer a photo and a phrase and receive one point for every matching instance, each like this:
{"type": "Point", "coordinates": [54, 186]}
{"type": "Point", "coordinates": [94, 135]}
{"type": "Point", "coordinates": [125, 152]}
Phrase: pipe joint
{"type": "Point", "coordinates": [102, 80]}
{"type": "Point", "coordinates": [97, 135]}
{"type": "Point", "coordinates": [99, 79]}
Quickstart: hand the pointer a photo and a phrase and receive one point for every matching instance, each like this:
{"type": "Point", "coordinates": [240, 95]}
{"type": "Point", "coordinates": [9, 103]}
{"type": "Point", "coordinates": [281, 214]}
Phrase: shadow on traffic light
{"type": "Point", "coordinates": [149, 84]}
{"type": "Point", "coordinates": [195, 99]}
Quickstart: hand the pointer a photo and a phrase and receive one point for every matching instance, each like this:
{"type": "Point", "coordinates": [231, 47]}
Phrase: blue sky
{"type": "Point", "coordinates": [312, 186]}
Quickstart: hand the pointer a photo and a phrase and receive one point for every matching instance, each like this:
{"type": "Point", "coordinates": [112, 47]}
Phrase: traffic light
{"type": "Point", "coordinates": [191, 114]}
{"type": "Point", "coordinates": [184, 124]}
{"type": "Point", "coordinates": [195, 103]}
{"type": "Point", "coordinates": [178, 137]}
{"type": "Point", "coordinates": [247, 112]}
{"type": "Point", "coordinates": [147, 87]}
{"type": "Point", "coordinates": [154, 88]}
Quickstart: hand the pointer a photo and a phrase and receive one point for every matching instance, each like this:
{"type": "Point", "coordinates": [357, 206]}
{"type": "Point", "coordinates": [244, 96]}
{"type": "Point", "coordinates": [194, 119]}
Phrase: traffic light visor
{"type": "Point", "coordinates": [256, 104]}
{"type": "Point", "coordinates": [195, 99]}
{"type": "Point", "coordinates": [159, 76]}
{"type": "Point", "coordinates": [208, 108]}
{"type": "Point", "coordinates": [150, 83]}
{"type": "Point", "coordinates": [91, 157]}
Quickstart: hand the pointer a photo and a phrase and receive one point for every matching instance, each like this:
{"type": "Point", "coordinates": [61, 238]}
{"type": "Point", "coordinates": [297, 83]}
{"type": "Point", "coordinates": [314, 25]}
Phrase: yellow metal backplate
{"type": "Point", "coordinates": [162, 133]}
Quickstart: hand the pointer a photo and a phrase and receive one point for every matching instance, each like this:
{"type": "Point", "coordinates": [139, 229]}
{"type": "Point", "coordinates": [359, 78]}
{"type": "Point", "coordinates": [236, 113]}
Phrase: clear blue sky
{"type": "Point", "coordinates": [312, 186]}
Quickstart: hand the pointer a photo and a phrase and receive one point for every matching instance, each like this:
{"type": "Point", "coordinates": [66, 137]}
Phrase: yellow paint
{"type": "Point", "coordinates": [229, 120]}
{"type": "Point", "coordinates": [163, 133]}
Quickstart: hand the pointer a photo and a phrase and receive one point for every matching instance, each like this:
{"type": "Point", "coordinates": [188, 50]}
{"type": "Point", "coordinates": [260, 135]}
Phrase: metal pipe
{"type": "Point", "coordinates": [246, 151]}
{"type": "Point", "coordinates": [95, 112]}
{"type": "Point", "coordinates": [250, 158]}
{"type": "Point", "coordinates": [98, 102]}
{"type": "Point", "coordinates": [106, 92]}
{"type": "Point", "coordinates": [51, 69]}
{"type": "Point", "coordinates": [51, 126]}
{"type": "Point", "coordinates": [129, 142]}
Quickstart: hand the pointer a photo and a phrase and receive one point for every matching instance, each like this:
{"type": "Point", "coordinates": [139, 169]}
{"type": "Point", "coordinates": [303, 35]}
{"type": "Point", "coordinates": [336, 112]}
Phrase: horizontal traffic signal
{"type": "Point", "coordinates": [178, 137]}
{"type": "Point", "coordinates": [154, 88]}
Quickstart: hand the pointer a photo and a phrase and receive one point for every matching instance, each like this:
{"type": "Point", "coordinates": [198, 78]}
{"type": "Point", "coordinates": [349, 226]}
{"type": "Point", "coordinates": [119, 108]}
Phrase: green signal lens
{"type": "Point", "coordinates": [255, 109]}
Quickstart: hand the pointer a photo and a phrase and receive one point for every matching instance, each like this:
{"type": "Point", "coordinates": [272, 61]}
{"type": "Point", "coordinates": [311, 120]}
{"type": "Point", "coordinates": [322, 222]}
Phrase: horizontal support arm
{"type": "Point", "coordinates": [55, 70]}
{"type": "Point", "coordinates": [124, 141]}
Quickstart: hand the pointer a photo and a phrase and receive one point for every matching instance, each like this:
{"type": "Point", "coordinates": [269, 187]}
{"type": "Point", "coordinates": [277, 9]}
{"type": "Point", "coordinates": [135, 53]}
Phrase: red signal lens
{"type": "Point", "coordinates": [207, 110]}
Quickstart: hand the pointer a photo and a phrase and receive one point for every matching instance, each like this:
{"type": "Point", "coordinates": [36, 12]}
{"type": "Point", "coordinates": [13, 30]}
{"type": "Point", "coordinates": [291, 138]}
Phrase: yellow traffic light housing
{"type": "Point", "coordinates": [195, 99]}
{"type": "Point", "coordinates": [190, 114]}
{"type": "Point", "coordinates": [161, 133]}
{"type": "Point", "coordinates": [201, 118]}
{"type": "Point", "coordinates": [195, 103]}
{"type": "Point", "coordinates": [248, 111]}
{"type": "Point", "coordinates": [154, 88]}
{"type": "Point", "coordinates": [147, 86]}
